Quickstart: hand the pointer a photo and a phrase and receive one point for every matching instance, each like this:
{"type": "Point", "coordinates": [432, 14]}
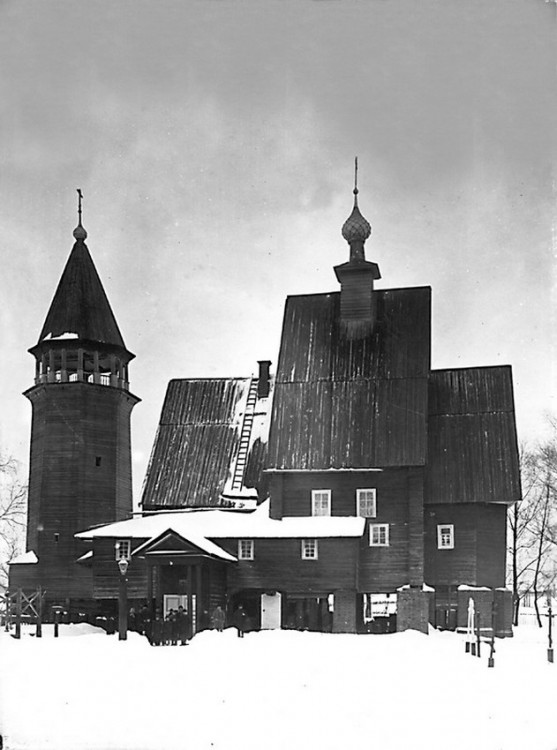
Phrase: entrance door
{"type": "Point", "coordinates": [173, 601]}
{"type": "Point", "coordinates": [270, 611]}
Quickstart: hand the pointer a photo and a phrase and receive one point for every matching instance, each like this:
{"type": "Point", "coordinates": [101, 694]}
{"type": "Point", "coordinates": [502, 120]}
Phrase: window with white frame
{"type": "Point", "coordinates": [379, 535]}
{"type": "Point", "coordinates": [309, 549]}
{"type": "Point", "coordinates": [366, 503]}
{"type": "Point", "coordinates": [123, 549]}
{"type": "Point", "coordinates": [321, 502]}
{"type": "Point", "coordinates": [445, 536]}
{"type": "Point", "coordinates": [245, 549]}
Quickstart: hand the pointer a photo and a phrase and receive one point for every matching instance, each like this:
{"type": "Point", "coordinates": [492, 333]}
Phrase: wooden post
{"type": "Point", "coordinates": [193, 620]}
{"type": "Point", "coordinates": [123, 608]}
{"type": "Point", "coordinates": [64, 367]}
{"type": "Point", "coordinates": [478, 638]}
{"type": "Point", "coordinates": [56, 621]}
{"type": "Point", "coordinates": [51, 376]}
{"type": "Point", "coordinates": [491, 660]}
{"type": "Point", "coordinates": [80, 364]}
{"type": "Point", "coordinates": [549, 635]}
{"type": "Point", "coordinates": [18, 615]}
{"type": "Point", "coordinates": [199, 598]}
{"type": "Point", "coordinates": [38, 606]}
{"type": "Point", "coordinates": [149, 566]}
{"type": "Point", "coordinates": [470, 646]}
{"type": "Point", "coordinates": [7, 615]}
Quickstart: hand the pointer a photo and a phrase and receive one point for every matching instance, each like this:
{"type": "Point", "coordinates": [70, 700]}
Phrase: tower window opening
{"type": "Point", "coordinates": [98, 460]}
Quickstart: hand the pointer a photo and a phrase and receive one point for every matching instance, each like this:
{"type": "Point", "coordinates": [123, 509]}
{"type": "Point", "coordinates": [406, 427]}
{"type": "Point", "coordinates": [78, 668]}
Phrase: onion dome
{"type": "Point", "coordinates": [356, 228]}
{"type": "Point", "coordinates": [79, 232]}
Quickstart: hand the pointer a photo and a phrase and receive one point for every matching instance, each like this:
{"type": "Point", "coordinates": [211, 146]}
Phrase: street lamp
{"type": "Point", "coordinates": [123, 600]}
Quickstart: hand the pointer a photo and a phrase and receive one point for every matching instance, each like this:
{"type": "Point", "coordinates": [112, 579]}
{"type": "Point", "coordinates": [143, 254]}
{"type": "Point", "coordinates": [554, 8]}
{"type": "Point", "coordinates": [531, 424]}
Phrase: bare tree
{"type": "Point", "coordinates": [532, 523]}
{"type": "Point", "coordinates": [13, 504]}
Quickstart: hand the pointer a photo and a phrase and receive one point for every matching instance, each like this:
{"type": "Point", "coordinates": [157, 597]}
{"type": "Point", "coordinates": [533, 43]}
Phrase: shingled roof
{"type": "Point", "coordinates": [206, 452]}
{"type": "Point", "coordinates": [352, 403]}
{"type": "Point", "coordinates": [80, 305]}
{"type": "Point", "coordinates": [472, 446]}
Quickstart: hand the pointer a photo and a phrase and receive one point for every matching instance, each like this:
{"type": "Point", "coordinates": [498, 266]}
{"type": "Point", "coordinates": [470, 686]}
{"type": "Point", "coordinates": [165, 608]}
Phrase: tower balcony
{"type": "Point", "coordinates": [81, 362]}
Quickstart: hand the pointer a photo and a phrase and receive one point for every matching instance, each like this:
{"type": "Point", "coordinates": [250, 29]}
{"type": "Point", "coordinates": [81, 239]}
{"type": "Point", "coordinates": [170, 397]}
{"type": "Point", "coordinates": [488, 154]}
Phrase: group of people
{"type": "Point", "coordinates": [176, 627]}
{"type": "Point", "coordinates": [240, 619]}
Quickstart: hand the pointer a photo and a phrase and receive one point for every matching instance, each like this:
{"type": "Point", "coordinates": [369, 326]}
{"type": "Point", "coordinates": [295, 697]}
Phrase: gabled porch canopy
{"type": "Point", "coordinates": [172, 544]}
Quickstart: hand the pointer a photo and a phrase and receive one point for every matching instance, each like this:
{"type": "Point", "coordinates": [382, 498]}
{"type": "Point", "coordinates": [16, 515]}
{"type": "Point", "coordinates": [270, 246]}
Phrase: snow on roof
{"type": "Point", "coordinates": [27, 558]}
{"type": "Point", "coordinates": [424, 587]}
{"type": "Point", "coordinates": [221, 524]}
{"type": "Point", "coordinates": [67, 335]}
{"type": "Point", "coordinates": [86, 556]}
{"type": "Point", "coordinates": [199, 541]}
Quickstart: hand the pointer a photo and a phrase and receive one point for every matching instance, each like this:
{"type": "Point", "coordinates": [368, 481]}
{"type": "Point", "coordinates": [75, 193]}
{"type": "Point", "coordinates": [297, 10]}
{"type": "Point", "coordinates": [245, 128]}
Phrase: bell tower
{"type": "Point", "coordinates": [356, 277]}
{"type": "Point", "coordinates": [80, 461]}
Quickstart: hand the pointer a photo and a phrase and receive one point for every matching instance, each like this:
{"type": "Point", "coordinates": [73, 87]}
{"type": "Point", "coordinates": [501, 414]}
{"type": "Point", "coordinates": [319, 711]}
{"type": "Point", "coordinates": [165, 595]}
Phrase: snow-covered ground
{"type": "Point", "coordinates": [274, 690]}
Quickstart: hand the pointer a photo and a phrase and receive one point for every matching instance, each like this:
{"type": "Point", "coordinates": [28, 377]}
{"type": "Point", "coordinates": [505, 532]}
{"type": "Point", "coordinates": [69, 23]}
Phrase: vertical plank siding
{"type": "Point", "coordinates": [278, 565]}
{"type": "Point", "coordinates": [472, 445]}
{"type": "Point", "coordinates": [399, 503]}
{"type": "Point", "coordinates": [352, 403]}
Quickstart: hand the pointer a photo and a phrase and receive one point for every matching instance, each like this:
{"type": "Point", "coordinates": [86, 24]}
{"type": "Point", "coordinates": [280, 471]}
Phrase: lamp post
{"type": "Point", "coordinates": [123, 600]}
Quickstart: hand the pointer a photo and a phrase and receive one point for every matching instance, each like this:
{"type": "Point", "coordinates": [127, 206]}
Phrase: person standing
{"type": "Point", "coordinates": [240, 620]}
{"type": "Point", "coordinates": [182, 625]}
{"type": "Point", "coordinates": [218, 618]}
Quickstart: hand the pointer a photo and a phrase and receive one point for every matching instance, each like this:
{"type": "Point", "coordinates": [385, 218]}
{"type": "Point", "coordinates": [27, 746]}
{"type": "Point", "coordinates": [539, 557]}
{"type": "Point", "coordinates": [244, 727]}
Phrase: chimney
{"type": "Point", "coordinates": [263, 383]}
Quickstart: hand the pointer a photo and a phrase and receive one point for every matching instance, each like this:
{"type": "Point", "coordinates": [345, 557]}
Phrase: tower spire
{"type": "Point", "coordinates": [79, 232]}
{"type": "Point", "coordinates": [356, 229]}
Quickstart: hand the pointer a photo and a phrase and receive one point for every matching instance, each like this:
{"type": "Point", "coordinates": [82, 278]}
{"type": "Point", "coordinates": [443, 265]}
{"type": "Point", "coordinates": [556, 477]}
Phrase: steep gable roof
{"type": "Point", "coordinates": [352, 403]}
{"type": "Point", "coordinates": [80, 305]}
{"type": "Point", "coordinates": [205, 441]}
{"type": "Point", "coordinates": [472, 444]}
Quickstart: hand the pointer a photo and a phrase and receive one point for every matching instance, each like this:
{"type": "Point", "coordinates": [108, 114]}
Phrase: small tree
{"type": "Point", "coordinates": [13, 504]}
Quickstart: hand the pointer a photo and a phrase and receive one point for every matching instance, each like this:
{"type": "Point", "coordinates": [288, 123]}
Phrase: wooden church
{"type": "Point", "coordinates": [355, 490]}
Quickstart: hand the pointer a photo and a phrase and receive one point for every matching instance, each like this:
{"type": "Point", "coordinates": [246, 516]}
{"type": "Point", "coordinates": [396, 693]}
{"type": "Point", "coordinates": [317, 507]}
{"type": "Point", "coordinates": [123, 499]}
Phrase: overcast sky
{"type": "Point", "coordinates": [214, 144]}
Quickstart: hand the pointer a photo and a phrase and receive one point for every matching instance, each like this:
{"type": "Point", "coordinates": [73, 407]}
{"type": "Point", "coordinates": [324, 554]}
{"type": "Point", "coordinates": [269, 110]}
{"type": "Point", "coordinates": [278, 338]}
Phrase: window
{"type": "Point", "coordinates": [321, 502]}
{"type": "Point", "coordinates": [445, 536]}
{"type": "Point", "coordinates": [309, 549]}
{"type": "Point", "coordinates": [245, 549]}
{"type": "Point", "coordinates": [379, 535]}
{"type": "Point", "coordinates": [366, 503]}
{"type": "Point", "coordinates": [123, 549]}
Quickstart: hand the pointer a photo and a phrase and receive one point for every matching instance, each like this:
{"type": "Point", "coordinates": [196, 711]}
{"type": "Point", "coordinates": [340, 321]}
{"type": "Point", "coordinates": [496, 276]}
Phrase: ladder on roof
{"type": "Point", "coordinates": [245, 436]}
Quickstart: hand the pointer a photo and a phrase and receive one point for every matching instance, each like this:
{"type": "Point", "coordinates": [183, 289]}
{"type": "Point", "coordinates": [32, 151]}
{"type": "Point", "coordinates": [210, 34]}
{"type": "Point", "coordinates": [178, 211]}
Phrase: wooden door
{"type": "Point", "coordinates": [270, 611]}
